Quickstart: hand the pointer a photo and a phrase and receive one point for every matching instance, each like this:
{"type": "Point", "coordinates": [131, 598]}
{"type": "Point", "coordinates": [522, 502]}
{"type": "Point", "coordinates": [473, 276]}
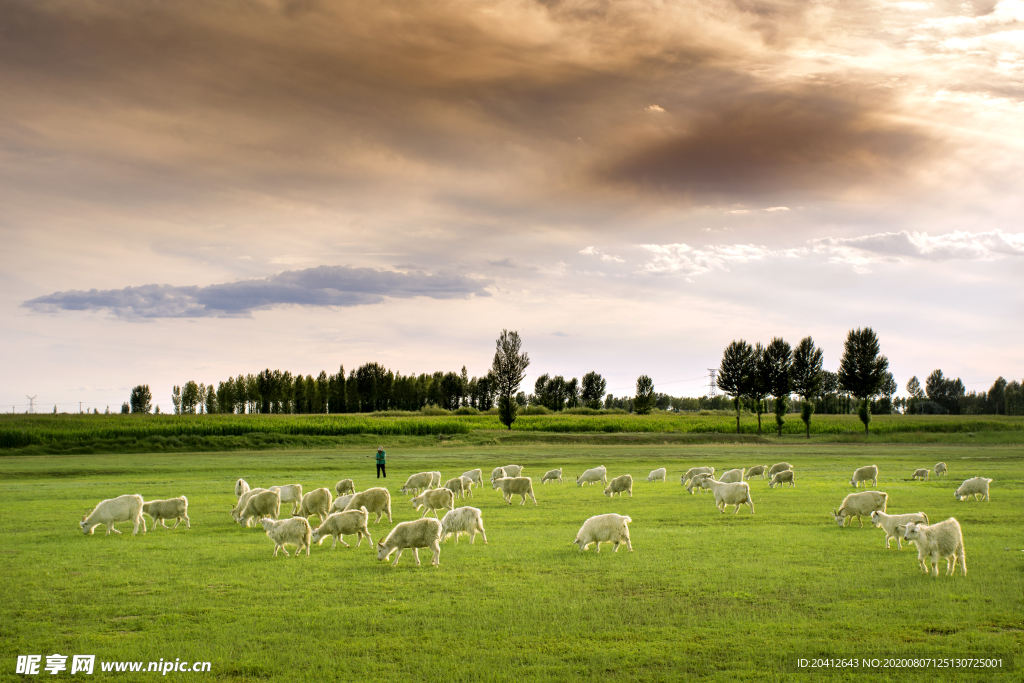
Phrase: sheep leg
{"type": "Point", "coordinates": [436, 547]}
{"type": "Point", "coordinates": [935, 563]}
{"type": "Point", "coordinates": [482, 534]}
{"type": "Point", "coordinates": [963, 560]}
{"type": "Point", "coordinates": [416, 555]}
{"type": "Point", "coordinates": [615, 547]}
{"type": "Point", "coordinates": [341, 539]}
{"type": "Point", "coordinates": [629, 545]}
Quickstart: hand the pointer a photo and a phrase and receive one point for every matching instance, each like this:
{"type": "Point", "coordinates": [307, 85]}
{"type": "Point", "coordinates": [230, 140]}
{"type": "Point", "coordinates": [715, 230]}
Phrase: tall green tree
{"type": "Point", "coordinates": [509, 369]}
{"type": "Point", "coordinates": [643, 403]}
{"type": "Point", "coordinates": [805, 373]}
{"type": "Point", "coordinates": [176, 399]}
{"type": "Point", "coordinates": [141, 399]}
{"type": "Point", "coordinates": [777, 360]}
{"type": "Point", "coordinates": [862, 370]}
{"type": "Point", "coordinates": [592, 390]}
{"type": "Point", "coordinates": [760, 383]}
{"type": "Point", "coordinates": [734, 374]}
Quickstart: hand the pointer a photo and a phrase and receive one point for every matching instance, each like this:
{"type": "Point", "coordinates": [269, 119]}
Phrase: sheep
{"type": "Point", "coordinates": [515, 486]}
{"type": "Point", "coordinates": [241, 486]}
{"type": "Point", "coordinates": [236, 512]}
{"type": "Point", "coordinates": [944, 539]}
{"type": "Point", "coordinates": [376, 500]}
{"type": "Point", "coordinates": [756, 470]}
{"type": "Point", "coordinates": [316, 502]}
{"type": "Point", "coordinates": [940, 469]}
{"type": "Point", "coordinates": [863, 474]}
{"type": "Point", "coordinates": [699, 482]}
{"type": "Point", "coordinates": [857, 504]}
{"type": "Point", "coordinates": [607, 528]}
{"type": "Point", "coordinates": [434, 500]}
{"type": "Point", "coordinates": [263, 504]}
{"type": "Point", "coordinates": [420, 481]}
{"type": "Point", "coordinates": [690, 473]}
{"type": "Point", "coordinates": [338, 524]}
{"type": "Point", "coordinates": [345, 486]}
{"type": "Point", "coordinates": [658, 475]}
{"type": "Point", "coordinates": [457, 485]}
{"type": "Point", "coordinates": [618, 485]}
{"type": "Point", "coordinates": [497, 473]}
{"type": "Point", "coordinates": [731, 476]}
{"type": "Point", "coordinates": [978, 486]}
{"type": "Point", "coordinates": [921, 474]}
{"type": "Point", "coordinates": [778, 467]}
{"type": "Point", "coordinates": [464, 520]}
{"type": "Point", "coordinates": [592, 476]}
{"type": "Point", "coordinates": [340, 503]}
{"type": "Point", "coordinates": [892, 524]}
{"type": "Point", "coordinates": [293, 531]}
{"type": "Point", "coordinates": [552, 475]}
{"type": "Point", "coordinates": [172, 508]}
{"type": "Point", "coordinates": [421, 533]}
{"type": "Point", "coordinates": [783, 477]}
{"type": "Point", "coordinates": [513, 470]}
{"type": "Point", "coordinates": [126, 508]}
{"type": "Point", "coordinates": [435, 480]}
{"type": "Point", "coordinates": [476, 476]}
{"type": "Point", "coordinates": [290, 493]}
{"type": "Point", "coordinates": [730, 493]}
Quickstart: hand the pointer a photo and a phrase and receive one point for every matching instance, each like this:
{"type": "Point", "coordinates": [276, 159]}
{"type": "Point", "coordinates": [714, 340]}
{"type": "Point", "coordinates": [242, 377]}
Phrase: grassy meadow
{"type": "Point", "coordinates": [704, 595]}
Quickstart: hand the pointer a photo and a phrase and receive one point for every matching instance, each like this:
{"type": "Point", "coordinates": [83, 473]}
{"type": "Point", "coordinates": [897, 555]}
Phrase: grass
{"type": "Point", "coordinates": [706, 595]}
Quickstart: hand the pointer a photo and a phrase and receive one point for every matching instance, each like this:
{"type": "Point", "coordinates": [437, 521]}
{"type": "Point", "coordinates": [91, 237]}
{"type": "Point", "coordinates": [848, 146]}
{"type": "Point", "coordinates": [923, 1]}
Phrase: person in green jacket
{"type": "Point", "coordinates": [380, 463]}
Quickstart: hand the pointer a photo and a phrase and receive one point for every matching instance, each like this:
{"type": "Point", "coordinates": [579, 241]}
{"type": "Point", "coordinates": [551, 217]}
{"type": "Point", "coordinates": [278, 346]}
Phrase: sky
{"type": "Point", "coordinates": [192, 190]}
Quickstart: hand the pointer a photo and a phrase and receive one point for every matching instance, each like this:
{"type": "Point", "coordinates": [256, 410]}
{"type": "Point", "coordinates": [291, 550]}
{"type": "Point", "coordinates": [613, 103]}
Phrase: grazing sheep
{"type": "Point", "coordinates": [730, 493]}
{"type": "Point", "coordinates": [293, 531]}
{"type": "Point", "coordinates": [780, 478]}
{"type": "Point", "coordinates": [892, 524]}
{"type": "Point", "coordinates": [421, 533]}
{"type": "Point", "coordinates": [263, 504]}
{"type": "Point", "coordinates": [592, 476]}
{"type": "Point", "coordinates": [290, 493]}
{"type": "Point", "coordinates": [756, 470]}
{"type": "Point", "coordinates": [497, 473]}
{"type": "Point", "coordinates": [457, 485]}
{"type": "Point", "coordinates": [921, 474]}
{"type": "Point", "coordinates": [865, 474]}
{"type": "Point", "coordinates": [944, 539]}
{"type": "Point", "coordinates": [476, 476]}
{"type": "Point", "coordinates": [690, 473]}
{"type": "Point", "coordinates": [376, 500]}
{"type": "Point", "coordinates": [513, 470]}
{"type": "Point", "coordinates": [940, 469]}
{"type": "Point", "coordinates": [731, 476]}
{"type": "Point", "coordinates": [515, 486]}
{"type": "Point", "coordinates": [241, 486]}
{"type": "Point", "coordinates": [417, 482]}
{"type": "Point", "coordinates": [857, 504]}
{"type": "Point", "coordinates": [126, 508]}
{"type": "Point", "coordinates": [338, 524]}
{"type": "Point", "coordinates": [340, 503]}
{"type": "Point", "coordinates": [236, 512]}
{"type": "Point", "coordinates": [433, 500]}
{"type": "Point", "coordinates": [978, 486]}
{"type": "Point", "coordinates": [552, 475]}
{"type": "Point", "coordinates": [699, 482]}
{"type": "Point", "coordinates": [345, 486]}
{"type": "Point", "coordinates": [658, 475]}
{"type": "Point", "coordinates": [172, 508]}
{"type": "Point", "coordinates": [607, 528]}
{"type": "Point", "coordinates": [464, 520]}
{"type": "Point", "coordinates": [435, 480]}
{"type": "Point", "coordinates": [778, 467]}
{"type": "Point", "coordinates": [316, 502]}
{"type": "Point", "coordinates": [618, 485]}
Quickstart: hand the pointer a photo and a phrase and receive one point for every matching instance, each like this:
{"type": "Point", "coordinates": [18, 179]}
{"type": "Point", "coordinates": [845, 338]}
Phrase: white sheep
{"type": "Point", "coordinates": [476, 476]}
{"type": "Point", "coordinates": [940, 469]}
{"type": "Point", "coordinates": [513, 470]}
{"type": "Point", "coordinates": [552, 475]}
{"type": "Point", "coordinates": [592, 476]}
{"type": "Point", "coordinates": [693, 471]}
{"type": "Point", "coordinates": [376, 500]}
{"type": "Point", "coordinates": [515, 486]}
{"type": "Point", "coordinates": [420, 481]}
{"type": "Point", "coordinates": [345, 486]}
{"type": "Point", "coordinates": [783, 477]}
{"type": "Point", "coordinates": [497, 473]}
{"type": "Point", "coordinates": [464, 520]}
{"type": "Point", "coordinates": [241, 486]}
{"type": "Point", "coordinates": [778, 467]}
{"type": "Point", "coordinates": [340, 503]}
{"type": "Point", "coordinates": [435, 480]}
{"type": "Point", "coordinates": [892, 524]}
{"type": "Point", "coordinates": [236, 512]}
{"type": "Point", "coordinates": [457, 485]}
{"type": "Point", "coordinates": [731, 476]}
{"type": "Point", "coordinates": [755, 471]}
{"type": "Point", "coordinates": [263, 504]}
{"type": "Point", "coordinates": [607, 528]}
{"type": "Point", "coordinates": [290, 493]}
{"type": "Point", "coordinates": [172, 508]}
{"type": "Point", "coordinates": [421, 533]}
{"type": "Point", "coordinates": [293, 531]}
{"type": "Point", "coordinates": [658, 475]}
{"type": "Point", "coordinates": [433, 500]}
{"type": "Point", "coordinates": [699, 482]}
{"type": "Point", "coordinates": [126, 508]}
{"type": "Point", "coordinates": [338, 524]}
{"type": "Point", "coordinates": [316, 502]}
{"type": "Point", "coordinates": [921, 474]}
{"type": "Point", "coordinates": [944, 539]}
{"type": "Point", "coordinates": [618, 485]}
{"type": "Point", "coordinates": [978, 486]}
{"type": "Point", "coordinates": [865, 474]}
{"type": "Point", "coordinates": [730, 493]}
{"type": "Point", "coordinates": [858, 504]}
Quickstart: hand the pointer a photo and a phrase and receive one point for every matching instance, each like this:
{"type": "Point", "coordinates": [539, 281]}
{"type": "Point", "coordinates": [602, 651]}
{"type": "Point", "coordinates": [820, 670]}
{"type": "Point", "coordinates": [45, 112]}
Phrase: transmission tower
{"type": "Point", "coordinates": [712, 387]}
{"type": "Point", "coordinates": [31, 403]}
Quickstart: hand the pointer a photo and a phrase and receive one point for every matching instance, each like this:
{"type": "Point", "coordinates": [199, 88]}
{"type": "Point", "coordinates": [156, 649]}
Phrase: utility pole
{"type": "Point", "coordinates": [79, 407]}
{"type": "Point", "coordinates": [712, 387]}
{"type": "Point", "coordinates": [31, 403]}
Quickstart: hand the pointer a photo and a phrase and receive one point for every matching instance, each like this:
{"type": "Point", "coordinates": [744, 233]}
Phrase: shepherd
{"type": "Point", "coordinates": [380, 463]}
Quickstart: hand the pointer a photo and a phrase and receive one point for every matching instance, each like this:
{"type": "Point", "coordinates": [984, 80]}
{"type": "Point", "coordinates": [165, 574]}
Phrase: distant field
{"type": "Point", "coordinates": [720, 597]}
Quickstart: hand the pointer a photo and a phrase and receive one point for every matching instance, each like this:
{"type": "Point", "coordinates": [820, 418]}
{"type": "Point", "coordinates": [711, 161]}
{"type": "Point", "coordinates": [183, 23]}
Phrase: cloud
{"type": "Point", "coordinates": [654, 109]}
{"type": "Point", "coordinates": [962, 245]}
{"type": "Point", "coordinates": [321, 286]}
{"type": "Point", "coordinates": [607, 258]}
{"type": "Point", "coordinates": [684, 260]}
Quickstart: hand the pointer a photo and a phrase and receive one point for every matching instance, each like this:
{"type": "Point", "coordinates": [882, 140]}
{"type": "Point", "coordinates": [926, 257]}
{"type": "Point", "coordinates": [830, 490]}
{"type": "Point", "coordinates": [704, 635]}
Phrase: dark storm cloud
{"type": "Point", "coordinates": [322, 286]}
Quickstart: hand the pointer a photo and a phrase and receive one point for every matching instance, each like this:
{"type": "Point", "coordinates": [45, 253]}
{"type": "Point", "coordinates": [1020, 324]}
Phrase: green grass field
{"type": "Point", "coordinates": [717, 597]}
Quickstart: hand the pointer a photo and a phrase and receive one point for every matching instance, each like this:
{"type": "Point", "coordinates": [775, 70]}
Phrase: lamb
{"type": "Point", "coordinates": [783, 477]}
{"type": "Point", "coordinates": [458, 486]}
{"type": "Point", "coordinates": [618, 485]}
{"type": "Point", "coordinates": [316, 502]}
{"type": "Point", "coordinates": [340, 503]}
{"type": "Point", "coordinates": [921, 474]}
{"type": "Point", "coordinates": [263, 504]}
{"type": "Point", "coordinates": [658, 475]}
{"type": "Point", "coordinates": [172, 508]}
{"type": "Point", "coordinates": [290, 493]}
{"type": "Point", "coordinates": [731, 476]}
{"type": "Point", "coordinates": [338, 524]}
{"type": "Point", "coordinates": [513, 470]}
{"type": "Point", "coordinates": [345, 486]}
{"type": "Point", "coordinates": [515, 486]}
{"type": "Point", "coordinates": [497, 473]}
{"type": "Point", "coordinates": [126, 508]}
{"type": "Point", "coordinates": [944, 539]}
{"type": "Point", "coordinates": [978, 486]}
{"type": "Point", "coordinates": [940, 469]}
{"type": "Point", "coordinates": [241, 486]}
{"type": "Point", "coordinates": [376, 500]}
{"type": "Point", "coordinates": [756, 470]}
{"type": "Point", "coordinates": [690, 473]}
{"type": "Point", "coordinates": [863, 474]}
{"type": "Point", "coordinates": [433, 500]}
{"type": "Point", "coordinates": [857, 504]}
{"type": "Point", "coordinates": [699, 482]}
{"type": "Point", "coordinates": [464, 520]}
{"type": "Point", "coordinates": [421, 533]}
{"type": "Point", "coordinates": [778, 467]}
{"type": "Point", "coordinates": [236, 512]}
{"type": "Point", "coordinates": [420, 481]}
{"type": "Point", "coordinates": [730, 493]}
{"type": "Point", "coordinates": [607, 528]}
{"type": "Point", "coordinates": [293, 531]}
{"type": "Point", "coordinates": [592, 476]}
{"type": "Point", "coordinates": [552, 475]}
{"type": "Point", "coordinates": [893, 524]}
{"type": "Point", "coordinates": [476, 476]}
